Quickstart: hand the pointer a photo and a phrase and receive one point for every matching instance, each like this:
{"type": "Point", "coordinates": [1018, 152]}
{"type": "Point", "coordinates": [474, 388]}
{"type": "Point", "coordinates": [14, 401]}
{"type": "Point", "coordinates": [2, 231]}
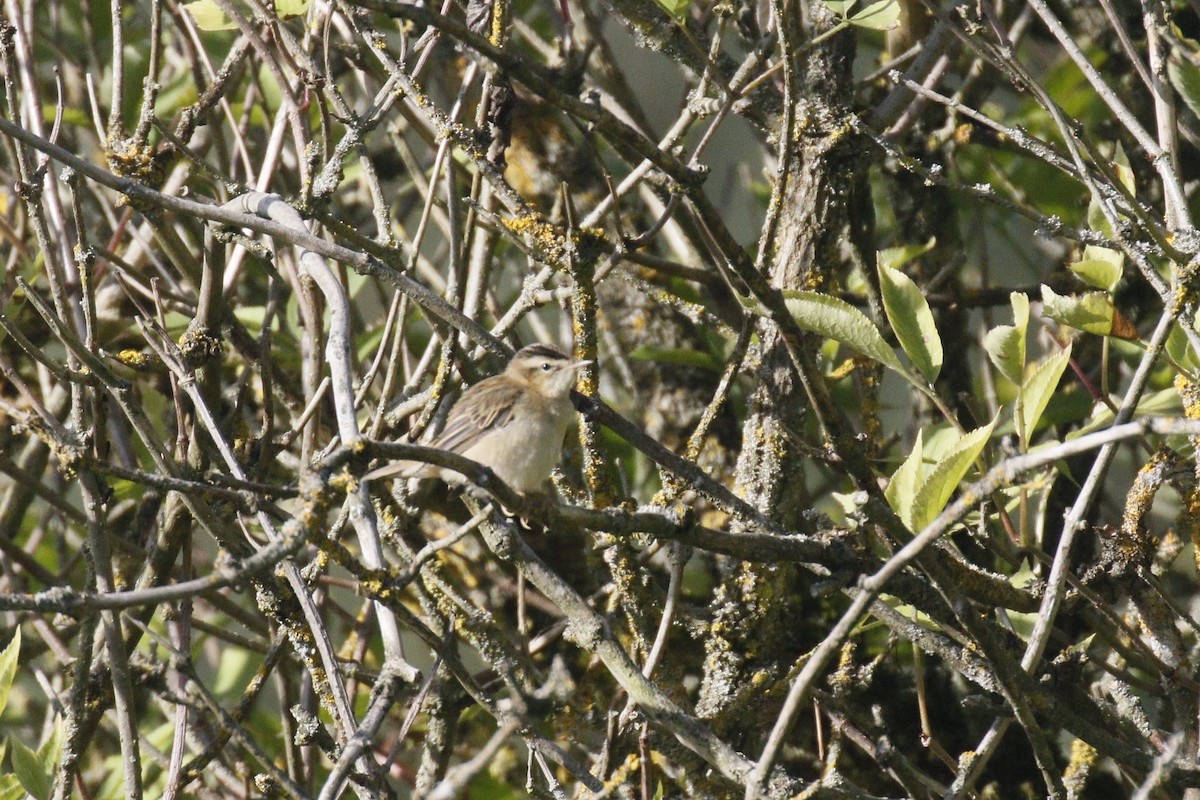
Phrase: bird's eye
{"type": "Point", "coordinates": [545, 366]}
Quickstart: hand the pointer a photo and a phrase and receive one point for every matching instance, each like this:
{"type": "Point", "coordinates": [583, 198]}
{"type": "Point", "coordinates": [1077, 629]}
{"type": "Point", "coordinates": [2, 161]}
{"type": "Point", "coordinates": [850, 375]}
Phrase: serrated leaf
{"type": "Point", "coordinates": [10, 787]}
{"type": "Point", "coordinates": [938, 441]}
{"type": "Point", "coordinates": [1091, 312]}
{"type": "Point", "coordinates": [29, 771]}
{"type": "Point", "coordinates": [1037, 391]}
{"type": "Point", "coordinates": [910, 317]}
{"type": "Point", "coordinates": [9, 659]}
{"type": "Point", "coordinates": [902, 488]}
{"type": "Point", "coordinates": [881, 16]}
{"type": "Point", "coordinates": [935, 491]}
{"type": "Point", "coordinates": [678, 9]}
{"type": "Point", "coordinates": [1099, 270]}
{"type": "Point", "coordinates": [836, 319]}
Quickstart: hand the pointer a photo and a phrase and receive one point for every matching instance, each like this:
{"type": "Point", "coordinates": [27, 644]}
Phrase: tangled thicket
{"type": "Point", "coordinates": [885, 481]}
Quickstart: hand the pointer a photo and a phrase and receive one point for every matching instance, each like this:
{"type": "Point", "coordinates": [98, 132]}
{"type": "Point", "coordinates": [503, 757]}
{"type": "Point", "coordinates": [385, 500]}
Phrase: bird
{"type": "Point", "coordinates": [513, 422]}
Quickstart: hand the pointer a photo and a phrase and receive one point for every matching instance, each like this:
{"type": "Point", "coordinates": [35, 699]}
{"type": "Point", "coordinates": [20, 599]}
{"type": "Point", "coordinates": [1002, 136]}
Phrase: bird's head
{"type": "Point", "coordinates": [547, 370]}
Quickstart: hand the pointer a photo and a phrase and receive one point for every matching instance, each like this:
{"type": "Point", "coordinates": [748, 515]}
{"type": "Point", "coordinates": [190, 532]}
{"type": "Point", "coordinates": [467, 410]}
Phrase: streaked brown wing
{"type": "Point", "coordinates": [484, 407]}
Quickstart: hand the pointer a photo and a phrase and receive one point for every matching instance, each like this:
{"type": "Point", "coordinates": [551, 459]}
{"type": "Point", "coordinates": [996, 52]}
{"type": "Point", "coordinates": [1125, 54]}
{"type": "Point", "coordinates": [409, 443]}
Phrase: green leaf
{"type": "Point", "coordinates": [1120, 163]}
{"type": "Point", "coordinates": [911, 612]}
{"type": "Point", "coordinates": [209, 16]}
{"type": "Point", "coordinates": [881, 16]}
{"type": "Point", "coordinates": [1179, 348]}
{"type": "Point", "coordinates": [51, 750]}
{"type": "Point", "coordinates": [896, 257]}
{"type": "Point", "coordinates": [678, 356]}
{"type": "Point", "coordinates": [1099, 268]}
{"type": "Point", "coordinates": [911, 319]}
{"type": "Point", "coordinates": [30, 772]}
{"type": "Point", "coordinates": [1163, 403]}
{"type": "Point", "coordinates": [1115, 257]}
{"type": "Point", "coordinates": [291, 8]}
{"type": "Point", "coordinates": [1005, 344]}
{"type": "Point", "coordinates": [841, 7]}
{"type": "Point", "coordinates": [939, 440]}
{"type": "Point", "coordinates": [836, 319]}
{"type": "Point", "coordinates": [72, 117]}
{"type": "Point", "coordinates": [234, 670]}
{"type": "Point", "coordinates": [1096, 219]}
{"type": "Point", "coordinates": [1092, 312]}
{"type": "Point", "coordinates": [902, 488]}
{"type": "Point", "coordinates": [8, 667]}
{"type": "Point", "coordinates": [10, 787]}
{"type": "Point", "coordinates": [1020, 307]}
{"type": "Point", "coordinates": [935, 491]}
{"type": "Point", "coordinates": [1185, 77]}
{"type": "Point", "coordinates": [1037, 391]}
{"type": "Point", "coordinates": [1022, 623]}
{"type": "Point", "coordinates": [179, 92]}
{"type": "Point", "coordinates": [678, 9]}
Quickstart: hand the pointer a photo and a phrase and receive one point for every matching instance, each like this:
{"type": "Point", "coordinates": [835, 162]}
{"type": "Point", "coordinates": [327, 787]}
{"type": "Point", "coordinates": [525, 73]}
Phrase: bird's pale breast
{"type": "Point", "coordinates": [524, 455]}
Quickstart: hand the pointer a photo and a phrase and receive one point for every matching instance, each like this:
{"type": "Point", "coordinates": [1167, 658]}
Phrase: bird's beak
{"type": "Point", "coordinates": [578, 365]}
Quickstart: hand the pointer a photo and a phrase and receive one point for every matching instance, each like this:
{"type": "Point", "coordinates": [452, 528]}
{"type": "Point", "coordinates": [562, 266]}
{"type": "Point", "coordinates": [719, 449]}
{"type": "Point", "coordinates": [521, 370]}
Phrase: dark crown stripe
{"type": "Point", "coordinates": [541, 351]}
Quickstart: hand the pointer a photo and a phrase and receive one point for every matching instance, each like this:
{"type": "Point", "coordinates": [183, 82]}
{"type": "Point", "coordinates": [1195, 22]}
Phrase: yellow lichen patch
{"type": "Point", "coordinates": [624, 773]}
{"type": "Point", "coordinates": [372, 588]}
{"type": "Point", "coordinates": [67, 456]}
{"type": "Point", "coordinates": [1189, 393]}
{"type": "Point", "coordinates": [321, 561]}
{"type": "Point", "coordinates": [760, 678]}
{"type": "Point", "coordinates": [842, 679]}
{"type": "Point", "coordinates": [551, 243]}
{"type": "Point", "coordinates": [140, 162]}
{"type": "Point", "coordinates": [548, 240]}
{"type": "Point", "coordinates": [1083, 758]}
{"type": "Point", "coordinates": [842, 370]}
{"type": "Point", "coordinates": [136, 359]}
{"type": "Point", "coordinates": [199, 346]}
{"type": "Point", "coordinates": [1193, 525]}
{"type": "Point", "coordinates": [342, 481]}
